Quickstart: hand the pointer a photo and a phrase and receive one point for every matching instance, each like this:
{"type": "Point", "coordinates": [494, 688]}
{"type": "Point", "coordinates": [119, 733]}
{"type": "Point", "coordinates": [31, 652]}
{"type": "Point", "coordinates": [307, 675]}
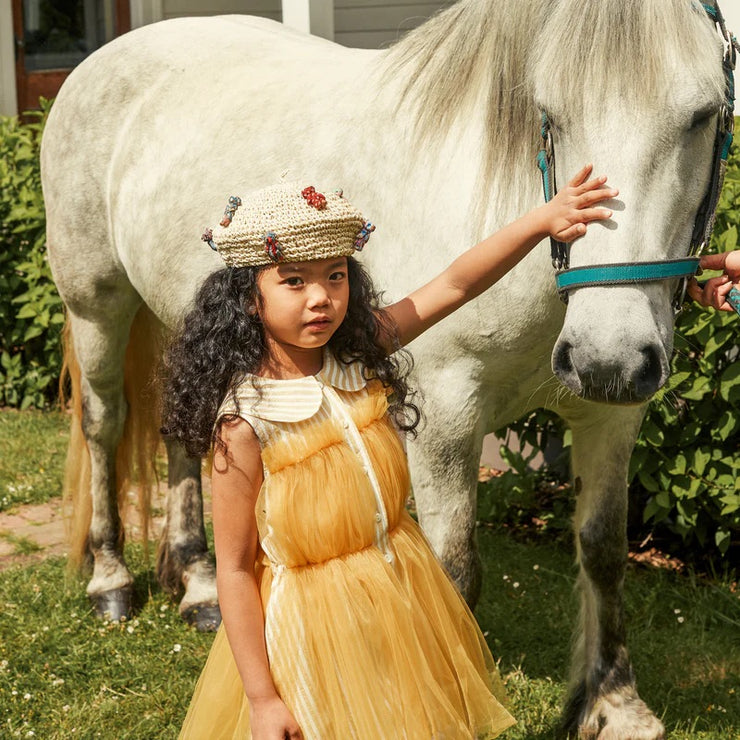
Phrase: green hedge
{"type": "Point", "coordinates": [31, 312]}
{"type": "Point", "coordinates": [686, 461]}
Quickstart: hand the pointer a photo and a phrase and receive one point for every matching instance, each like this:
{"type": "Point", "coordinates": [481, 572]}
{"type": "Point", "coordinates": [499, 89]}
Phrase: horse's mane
{"type": "Point", "coordinates": [472, 57]}
{"type": "Point", "coordinates": [627, 50]}
{"type": "Point", "coordinates": [478, 58]}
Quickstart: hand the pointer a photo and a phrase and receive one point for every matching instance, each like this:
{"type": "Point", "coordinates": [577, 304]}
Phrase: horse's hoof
{"type": "Point", "coordinates": [620, 715]}
{"type": "Point", "coordinates": [114, 605]}
{"type": "Point", "coordinates": [204, 617]}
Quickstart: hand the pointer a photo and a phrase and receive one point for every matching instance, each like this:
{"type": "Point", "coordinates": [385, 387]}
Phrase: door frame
{"type": "Point", "coordinates": [31, 85]}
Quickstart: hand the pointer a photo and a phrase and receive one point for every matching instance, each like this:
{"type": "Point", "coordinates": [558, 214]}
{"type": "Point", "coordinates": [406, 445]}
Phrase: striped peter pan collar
{"type": "Point", "coordinates": [296, 399]}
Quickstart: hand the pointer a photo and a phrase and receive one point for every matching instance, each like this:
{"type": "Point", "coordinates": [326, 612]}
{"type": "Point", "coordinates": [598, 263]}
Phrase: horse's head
{"type": "Point", "coordinates": [634, 88]}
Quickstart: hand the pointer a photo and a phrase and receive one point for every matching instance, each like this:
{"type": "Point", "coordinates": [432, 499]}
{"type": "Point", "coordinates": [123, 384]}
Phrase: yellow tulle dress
{"type": "Point", "coordinates": [367, 637]}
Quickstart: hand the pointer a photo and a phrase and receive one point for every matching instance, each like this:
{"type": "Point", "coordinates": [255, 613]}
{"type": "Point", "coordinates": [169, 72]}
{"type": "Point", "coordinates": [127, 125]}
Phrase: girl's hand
{"type": "Point", "coordinates": [567, 214]}
{"type": "Point", "coordinates": [477, 269]}
{"type": "Point", "coordinates": [270, 719]}
{"type": "Point", "coordinates": [713, 293]}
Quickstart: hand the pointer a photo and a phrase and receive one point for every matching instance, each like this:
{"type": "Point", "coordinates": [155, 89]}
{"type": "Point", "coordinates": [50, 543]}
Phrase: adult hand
{"type": "Point", "coordinates": [574, 206]}
{"type": "Point", "coordinates": [714, 291]}
{"type": "Point", "coordinates": [270, 719]}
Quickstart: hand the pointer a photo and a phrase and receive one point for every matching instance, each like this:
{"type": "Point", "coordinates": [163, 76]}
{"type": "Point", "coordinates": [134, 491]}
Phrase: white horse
{"type": "Point", "coordinates": [435, 140]}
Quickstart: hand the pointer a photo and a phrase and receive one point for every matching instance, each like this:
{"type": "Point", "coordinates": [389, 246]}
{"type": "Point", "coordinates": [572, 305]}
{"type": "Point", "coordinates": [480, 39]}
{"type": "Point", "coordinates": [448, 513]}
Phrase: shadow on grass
{"type": "Point", "coordinates": [145, 588]}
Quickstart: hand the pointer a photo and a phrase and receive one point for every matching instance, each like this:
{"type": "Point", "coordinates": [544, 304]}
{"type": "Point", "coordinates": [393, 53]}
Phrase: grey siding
{"type": "Point", "coordinates": [368, 24]}
{"type": "Point", "coordinates": [373, 24]}
{"type": "Point", "coordinates": [265, 8]}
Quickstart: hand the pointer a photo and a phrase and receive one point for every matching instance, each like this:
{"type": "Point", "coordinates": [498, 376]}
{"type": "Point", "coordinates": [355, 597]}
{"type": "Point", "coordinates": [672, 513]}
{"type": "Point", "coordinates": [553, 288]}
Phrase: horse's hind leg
{"type": "Point", "coordinates": [603, 701]}
{"type": "Point", "coordinates": [100, 343]}
{"type": "Point", "coordinates": [183, 558]}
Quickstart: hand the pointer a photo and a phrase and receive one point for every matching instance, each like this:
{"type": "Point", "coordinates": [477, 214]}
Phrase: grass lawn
{"type": "Point", "coordinates": [64, 674]}
{"type": "Point", "coordinates": [33, 445]}
{"type": "Point", "coordinates": [684, 638]}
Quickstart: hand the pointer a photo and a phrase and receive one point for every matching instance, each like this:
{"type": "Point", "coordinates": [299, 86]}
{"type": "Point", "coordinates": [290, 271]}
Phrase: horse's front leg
{"type": "Point", "coordinates": [183, 560]}
{"type": "Point", "coordinates": [603, 701]}
{"type": "Point", "coordinates": [444, 467]}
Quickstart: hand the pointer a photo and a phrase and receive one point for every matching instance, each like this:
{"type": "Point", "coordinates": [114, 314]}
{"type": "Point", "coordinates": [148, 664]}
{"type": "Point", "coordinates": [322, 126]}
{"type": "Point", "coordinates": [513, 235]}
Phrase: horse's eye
{"type": "Point", "coordinates": [702, 117]}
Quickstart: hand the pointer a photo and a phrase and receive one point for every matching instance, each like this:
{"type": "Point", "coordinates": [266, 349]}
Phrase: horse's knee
{"type": "Point", "coordinates": [603, 551]}
{"type": "Point", "coordinates": [103, 417]}
{"type": "Point", "coordinates": [462, 561]}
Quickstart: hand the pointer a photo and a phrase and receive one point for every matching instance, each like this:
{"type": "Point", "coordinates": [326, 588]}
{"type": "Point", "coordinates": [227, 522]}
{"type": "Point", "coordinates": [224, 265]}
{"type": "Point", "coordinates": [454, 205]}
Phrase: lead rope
{"type": "Point", "coordinates": [546, 163]}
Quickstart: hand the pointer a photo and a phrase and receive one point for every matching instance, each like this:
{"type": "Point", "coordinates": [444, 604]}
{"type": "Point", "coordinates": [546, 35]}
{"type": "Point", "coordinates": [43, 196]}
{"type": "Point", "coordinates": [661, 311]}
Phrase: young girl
{"type": "Point", "coordinates": [338, 620]}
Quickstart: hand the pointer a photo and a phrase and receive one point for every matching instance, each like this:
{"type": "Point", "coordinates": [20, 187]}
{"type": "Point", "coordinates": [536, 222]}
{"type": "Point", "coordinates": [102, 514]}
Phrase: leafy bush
{"type": "Point", "coordinates": [31, 312]}
{"type": "Point", "coordinates": [523, 497]}
{"type": "Point", "coordinates": [686, 462]}
{"type": "Point", "coordinates": [685, 469]}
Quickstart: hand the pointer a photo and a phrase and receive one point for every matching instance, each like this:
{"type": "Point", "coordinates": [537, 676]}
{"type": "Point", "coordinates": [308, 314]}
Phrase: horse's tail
{"type": "Point", "coordinates": [76, 487]}
{"type": "Point", "coordinates": [135, 456]}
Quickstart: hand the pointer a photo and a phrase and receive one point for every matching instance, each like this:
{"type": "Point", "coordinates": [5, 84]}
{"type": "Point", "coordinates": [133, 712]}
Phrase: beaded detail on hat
{"type": "Point", "coordinates": [234, 202]}
{"type": "Point", "coordinates": [272, 247]}
{"type": "Point", "coordinates": [288, 222]}
{"type": "Point", "coordinates": [364, 235]}
{"type": "Point", "coordinates": [317, 200]}
{"type": "Point", "coordinates": [208, 239]}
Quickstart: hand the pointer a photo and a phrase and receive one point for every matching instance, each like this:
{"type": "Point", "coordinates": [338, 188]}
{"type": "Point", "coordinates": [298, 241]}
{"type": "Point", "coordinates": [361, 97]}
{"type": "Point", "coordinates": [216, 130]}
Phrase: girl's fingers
{"type": "Point", "coordinates": [571, 233]}
{"type": "Point", "coordinates": [594, 185]}
{"type": "Point", "coordinates": [693, 290]}
{"type": "Point", "coordinates": [596, 196]}
{"type": "Point", "coordinates": [719, 299]}
{"type": "Point", "coordinates": [712, 293]}
{"type": "Point", "coordinates": [580, 177]}
{"type": "Point", "coordinates": [594, 214]}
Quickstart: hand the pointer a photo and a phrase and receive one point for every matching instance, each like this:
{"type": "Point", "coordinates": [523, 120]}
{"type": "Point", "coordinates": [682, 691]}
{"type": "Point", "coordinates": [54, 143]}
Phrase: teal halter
{"type": "Point", "coordinates": [642, 272]}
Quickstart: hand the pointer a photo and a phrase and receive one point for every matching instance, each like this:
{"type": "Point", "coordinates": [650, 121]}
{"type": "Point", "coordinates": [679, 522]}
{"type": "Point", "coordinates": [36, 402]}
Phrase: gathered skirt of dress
{"type": "Point", "coordinates": [384, 652]}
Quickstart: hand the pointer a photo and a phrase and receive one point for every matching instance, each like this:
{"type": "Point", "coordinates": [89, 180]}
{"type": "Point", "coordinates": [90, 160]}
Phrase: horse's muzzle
{"type": "Point", "coordinates": [631, 377]}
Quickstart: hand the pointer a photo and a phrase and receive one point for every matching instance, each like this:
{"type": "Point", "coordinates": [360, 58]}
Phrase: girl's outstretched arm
{"type": "Point", "coordinates": [564, 218]}
{"type": "Point", "coordinates": [236, 481]}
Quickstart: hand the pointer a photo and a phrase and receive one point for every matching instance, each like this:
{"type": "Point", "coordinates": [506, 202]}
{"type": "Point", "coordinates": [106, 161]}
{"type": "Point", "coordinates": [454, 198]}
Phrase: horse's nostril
{"type": "Point", "coordinates": [650, 374]}
{"type": "Point", "coordinates": [564, 368]}
{"type": "Point", "coordinates": [562, 360]}
{"type": "Point", "coordinates": [651, 365]}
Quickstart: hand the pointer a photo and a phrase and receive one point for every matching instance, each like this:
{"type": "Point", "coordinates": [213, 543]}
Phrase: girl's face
{"type": "Point", "coordinates": [302, 305]}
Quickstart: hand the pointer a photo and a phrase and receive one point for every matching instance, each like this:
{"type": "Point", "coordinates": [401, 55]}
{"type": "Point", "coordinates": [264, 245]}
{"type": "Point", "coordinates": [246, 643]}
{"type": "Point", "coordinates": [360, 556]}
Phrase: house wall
{"type": "Point", "coordinates": [731, 12]}
{"type": "Point", "coordinates": [374, 24]}
{"type": "Point", "coordinates": [368, 24]}
{"type": "Point", "coordinates": [265, 8]}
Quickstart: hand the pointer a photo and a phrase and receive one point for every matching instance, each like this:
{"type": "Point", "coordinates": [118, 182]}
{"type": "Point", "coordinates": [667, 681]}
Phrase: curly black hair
{"type": "Point", "coordinates": [222, 340]}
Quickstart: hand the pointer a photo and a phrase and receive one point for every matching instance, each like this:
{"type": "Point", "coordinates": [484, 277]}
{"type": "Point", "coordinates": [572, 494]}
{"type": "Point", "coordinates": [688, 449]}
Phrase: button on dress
{"type": "Point", "coordinates": [367, 637]}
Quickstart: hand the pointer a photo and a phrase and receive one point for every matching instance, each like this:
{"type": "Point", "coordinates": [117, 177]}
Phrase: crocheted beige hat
{"type": "Point", "coordinates": [287, 223]}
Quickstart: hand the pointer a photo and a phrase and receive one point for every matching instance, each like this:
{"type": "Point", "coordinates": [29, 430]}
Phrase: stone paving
{"type": "Point", "coordinates": [33, 532]}
{"type": "Point", "coordinates": [31, 526]}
